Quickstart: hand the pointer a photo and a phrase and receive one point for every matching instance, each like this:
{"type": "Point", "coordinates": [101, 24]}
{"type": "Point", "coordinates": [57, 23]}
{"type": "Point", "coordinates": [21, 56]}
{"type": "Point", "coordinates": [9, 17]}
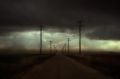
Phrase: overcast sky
{"type": "Point", "coordinates": [100, 14]}
{"type": "Point", "coordinates": [100, 18]}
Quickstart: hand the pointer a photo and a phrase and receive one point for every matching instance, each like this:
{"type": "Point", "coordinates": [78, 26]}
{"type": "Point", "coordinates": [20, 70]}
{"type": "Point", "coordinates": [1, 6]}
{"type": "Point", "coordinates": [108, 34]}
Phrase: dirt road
{"type": "Point", "coordinates": [61, 67]}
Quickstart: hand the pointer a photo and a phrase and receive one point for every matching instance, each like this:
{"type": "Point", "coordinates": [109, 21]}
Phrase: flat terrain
{"type": "Point", "coordinates": [11, 65]}
{"type": "Point", "coordinates": [61, 67]}
{"type": "Point", "coordinates": [91, 65]}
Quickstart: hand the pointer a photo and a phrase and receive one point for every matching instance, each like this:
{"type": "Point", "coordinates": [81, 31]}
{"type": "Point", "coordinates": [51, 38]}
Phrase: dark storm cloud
{"type": "Point", "coordinates": [106, 33]}
{"type": "Point", "coordinates": [6, 30]}
{"type": "Point", "coordinates": [56, 12]}
{"type": "Point", "coordinates": [64, 14]}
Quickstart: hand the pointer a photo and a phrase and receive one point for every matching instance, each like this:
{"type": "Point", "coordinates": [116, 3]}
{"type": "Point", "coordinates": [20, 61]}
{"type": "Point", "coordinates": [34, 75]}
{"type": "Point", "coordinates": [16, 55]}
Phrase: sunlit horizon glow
{"type": "Point", "coordinates": [30, 40]}
{"type": "Point", "coordinates": [100, 45]}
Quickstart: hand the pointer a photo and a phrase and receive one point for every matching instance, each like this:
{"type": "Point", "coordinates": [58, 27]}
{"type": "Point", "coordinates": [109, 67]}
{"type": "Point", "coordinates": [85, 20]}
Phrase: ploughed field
{"type": "Point", "coordinates": [13, 63]}
{"type": "Point", "coordinates": [105, 62]}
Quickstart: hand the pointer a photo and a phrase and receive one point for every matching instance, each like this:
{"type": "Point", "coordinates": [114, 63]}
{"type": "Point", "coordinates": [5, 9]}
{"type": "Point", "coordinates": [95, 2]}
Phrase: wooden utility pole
{"type": "Point", "coordinates": [64, 48]}
{"type": "Point", "coordinates": [55, 49]}
{"type": "Point", "coordinates": [50, 46]}
{"type": "Point", "coordinates": [80, 25]}
{"type": "Point", "coordinates": [41, 28]}
{"type": "Point", "coordinates": [68, 45]}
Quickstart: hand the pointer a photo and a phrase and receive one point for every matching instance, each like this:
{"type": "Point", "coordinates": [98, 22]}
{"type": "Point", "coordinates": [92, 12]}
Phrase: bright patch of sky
{"type": "Point", "coordinates": [31, 40]}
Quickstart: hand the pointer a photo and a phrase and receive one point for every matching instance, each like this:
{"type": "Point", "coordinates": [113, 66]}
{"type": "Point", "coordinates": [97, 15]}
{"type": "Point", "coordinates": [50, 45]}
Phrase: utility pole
{"type": "Point", "coordinates": [68, 45]}
{"type": "Point", "coordinates": [55, 49]}
{"type": "Point", "coordinates": [50, 46]}
{"type": "Point", "coordinates": [64, 48]}
{"type": "Point", "coordinates": [80, 25]}
{"type": "Point", "coordinates": [41, 28]}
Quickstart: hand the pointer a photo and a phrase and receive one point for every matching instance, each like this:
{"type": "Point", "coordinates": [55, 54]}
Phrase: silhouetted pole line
{"type": "Point", "coordinates": [41, 28]}
{"type": "Point", "coordinates": [50, 46]}
{"type": "Point", "coordinates": [80, 25]}
{"type": "Point", "coordinates": [55, 49]}
{"type": "Point", "coordinates": [68, 45]}
{"type": "Point", "coordinates": [64, 48]}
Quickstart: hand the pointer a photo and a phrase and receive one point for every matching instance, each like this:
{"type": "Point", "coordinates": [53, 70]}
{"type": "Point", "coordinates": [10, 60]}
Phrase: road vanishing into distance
{"type": "Point", "coordinates": [61, 67]}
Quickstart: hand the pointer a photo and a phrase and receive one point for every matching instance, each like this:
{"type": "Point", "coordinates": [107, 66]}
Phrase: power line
{"type": "Point", "coordinates": [40, 39]}
{"type": "Point", "coordinates": [55, 49]}
{"type": "Point", "coordinates": [50, 46]}
{"type": "Point", "coordinates": [68, 45]}
{"type": "Point", "coordinates": [64, 48]}
{"type": "Point", "coordinates": [79, 26]}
